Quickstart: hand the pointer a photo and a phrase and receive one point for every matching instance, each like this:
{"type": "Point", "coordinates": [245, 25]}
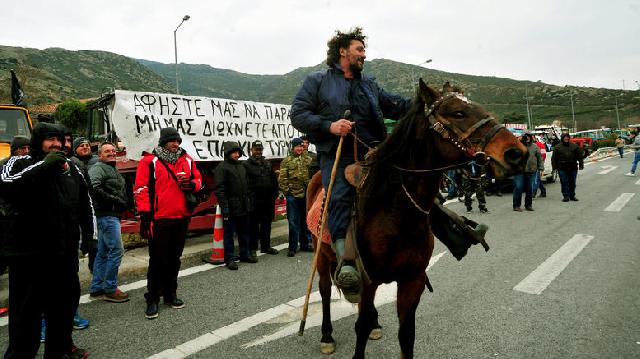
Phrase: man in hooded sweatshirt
{"type": "Point", "coordinates": [567, 158]}
{"type": "Point", "coordinates": [49, 211]}
{"type": "Point", "coordinates": [526, 181]}
{"type": "Point", "coordinates": [163, 179]}
{"type": "Point", "coordinates": [234, 198]}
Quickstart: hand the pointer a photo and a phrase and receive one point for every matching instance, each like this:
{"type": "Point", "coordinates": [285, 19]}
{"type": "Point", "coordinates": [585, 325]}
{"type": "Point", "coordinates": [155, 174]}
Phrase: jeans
{"type": "Point", "coordinates": [233, 225]}
{"type": "Point", "coordinates": [634, 164]}
{"type": "Point", "coordinates": [343, 194]}
{"type": "Point", "coordinates": [297, 217]}
{"type": "Point", "coordinates": [523, 182]}
{"type": "Point", "coordinates": [538, 184]}
{"type": "Point", "coordinates": [108, 256]}
{"type": "Point", "coordinates": [621, 151]}
{"type": "Point", "coordinates": [568, 182]}
{"type": "Point", "coordinates": [453, 187]}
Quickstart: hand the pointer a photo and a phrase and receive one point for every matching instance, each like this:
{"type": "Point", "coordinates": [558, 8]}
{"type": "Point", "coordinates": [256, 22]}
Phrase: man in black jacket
{"type": "Point", "coordinates": [263, 184]}
{"type": "Point", "coordinates": [49, 211]}
{"type": "Point", "coordinates": [567, 158]}
{"type": "Point", "coordinates": [232, 191]}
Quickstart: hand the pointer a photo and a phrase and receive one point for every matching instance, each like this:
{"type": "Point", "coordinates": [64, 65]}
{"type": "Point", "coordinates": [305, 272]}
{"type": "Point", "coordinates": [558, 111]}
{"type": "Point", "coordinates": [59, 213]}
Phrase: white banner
{"type": "Point", "coordinates": [203, 123]}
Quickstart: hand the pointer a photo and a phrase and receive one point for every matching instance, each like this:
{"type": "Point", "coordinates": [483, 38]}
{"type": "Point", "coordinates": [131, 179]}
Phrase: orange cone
{"type": "Point", "coordinates": [217, 250]}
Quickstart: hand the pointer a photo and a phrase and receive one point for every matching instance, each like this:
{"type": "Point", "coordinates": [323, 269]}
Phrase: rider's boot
{"type": "Point", "coordinates": [348, 278]}
{"type": "Point", "coordinates": [457, 233]}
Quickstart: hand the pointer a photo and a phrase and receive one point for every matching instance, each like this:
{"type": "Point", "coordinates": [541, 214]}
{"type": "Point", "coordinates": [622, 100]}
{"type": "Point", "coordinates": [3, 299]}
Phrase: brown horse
{"type": "Point", "coordinates": [394, 239]}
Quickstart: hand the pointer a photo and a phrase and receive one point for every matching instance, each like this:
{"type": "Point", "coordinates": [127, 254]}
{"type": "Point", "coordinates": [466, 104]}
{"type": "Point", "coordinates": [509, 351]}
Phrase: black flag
{"type": "Point", "coordinates": [17, 95]}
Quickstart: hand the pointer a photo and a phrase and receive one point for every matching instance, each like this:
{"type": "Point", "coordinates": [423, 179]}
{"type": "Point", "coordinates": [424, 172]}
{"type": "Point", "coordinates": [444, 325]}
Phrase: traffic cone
{"type": "Point", "coordinates": [217, 250]}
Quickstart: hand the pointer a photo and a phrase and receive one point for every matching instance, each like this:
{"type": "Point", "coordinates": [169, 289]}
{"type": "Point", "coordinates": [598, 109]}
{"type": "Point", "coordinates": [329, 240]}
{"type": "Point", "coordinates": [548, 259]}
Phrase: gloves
{"type": "Point", "coordinates": [146, 231]}
{"type": "Point", "coordinates": [225, 213]}
{"type": "Point", "coordinates": [186, 185]}
{"type": "Point", "coordinates": [55, 158]}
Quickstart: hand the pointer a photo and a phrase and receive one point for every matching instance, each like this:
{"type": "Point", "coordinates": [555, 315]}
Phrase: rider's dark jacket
{"type": "Point", "coordinates": [326, 95]}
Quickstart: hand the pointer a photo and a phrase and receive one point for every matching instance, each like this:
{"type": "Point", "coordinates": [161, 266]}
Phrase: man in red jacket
{"type": "Point", "coordinates": [163, 179]}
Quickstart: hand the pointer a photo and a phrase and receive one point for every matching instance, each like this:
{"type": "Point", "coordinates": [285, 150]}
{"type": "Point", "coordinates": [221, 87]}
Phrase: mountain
{"type": "Point", "coordinates": [55, 75]}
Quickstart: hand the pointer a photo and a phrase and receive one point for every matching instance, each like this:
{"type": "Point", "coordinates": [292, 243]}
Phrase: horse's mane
{"type": "Point", "coordinates": [400, 147]}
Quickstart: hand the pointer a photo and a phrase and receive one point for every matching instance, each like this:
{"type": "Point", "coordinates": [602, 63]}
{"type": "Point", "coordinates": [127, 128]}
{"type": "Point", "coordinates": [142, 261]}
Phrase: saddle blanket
{"type": "Point", "coordinates": [313, 219]}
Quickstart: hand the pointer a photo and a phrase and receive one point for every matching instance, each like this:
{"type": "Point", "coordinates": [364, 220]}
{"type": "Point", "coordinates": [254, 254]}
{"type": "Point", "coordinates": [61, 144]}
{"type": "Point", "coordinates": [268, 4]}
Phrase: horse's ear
{"type": "Point", "coordinates": [426, 93]}
{"type": "Point", "coordinates": [446, 88]}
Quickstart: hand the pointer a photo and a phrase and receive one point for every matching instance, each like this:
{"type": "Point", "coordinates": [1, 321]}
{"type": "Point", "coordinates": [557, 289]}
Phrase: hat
{"type": "Point", "coordinates": [168, 134]}
{"type": "Point", "coordinates": [19, 141]}
{"type": "Point", "coordinates": [296, 142]}
{"type": "Point", "coordinates": [257, 144]}
{"type": "Point", "coordinates": [78, 141]}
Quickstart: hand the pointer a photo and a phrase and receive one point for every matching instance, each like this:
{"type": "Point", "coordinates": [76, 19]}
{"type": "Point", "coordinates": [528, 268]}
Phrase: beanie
{"type": "Point", "coordinates": [19, 141]}
{"type": "Point", "coordinates": [169, 134]}
{"type": "Point", "coordinates": [78, 141]}
{"type": "Point", "coordinates": [257, 144]}
{"type": "Point", "coordinates": [296, 142]}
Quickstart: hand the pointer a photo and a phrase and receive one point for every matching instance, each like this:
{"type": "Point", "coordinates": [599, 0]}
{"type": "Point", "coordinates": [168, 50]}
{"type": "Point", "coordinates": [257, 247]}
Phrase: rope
{"type": "Point", "coordinates": [412, 201]}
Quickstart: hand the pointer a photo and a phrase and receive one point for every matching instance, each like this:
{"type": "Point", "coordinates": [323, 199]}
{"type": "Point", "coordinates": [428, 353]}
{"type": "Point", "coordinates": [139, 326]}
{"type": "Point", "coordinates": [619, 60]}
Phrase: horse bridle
{"type": "Point", "coordinates": [458, 138]}
{"type": "Point", "coordinates": [453, 134]}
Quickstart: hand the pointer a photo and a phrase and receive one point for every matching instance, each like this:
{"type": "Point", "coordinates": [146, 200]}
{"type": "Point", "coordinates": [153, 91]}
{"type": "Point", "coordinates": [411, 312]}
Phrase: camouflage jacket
{"type": "Point", "coordinates": [294, 175]}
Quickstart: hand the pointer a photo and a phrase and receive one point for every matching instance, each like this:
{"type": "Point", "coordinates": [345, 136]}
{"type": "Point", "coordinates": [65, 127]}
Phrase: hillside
{"type": "Point", "coordinates": [55, 75]}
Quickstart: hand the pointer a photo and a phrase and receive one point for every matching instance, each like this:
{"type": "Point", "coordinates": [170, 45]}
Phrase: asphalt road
{"type": "Point", "coordinates": [580, 257]}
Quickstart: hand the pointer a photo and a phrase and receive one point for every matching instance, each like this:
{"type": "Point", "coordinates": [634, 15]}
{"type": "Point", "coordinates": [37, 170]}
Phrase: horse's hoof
{"type": "Point", "coordinates": [327, 348]}
{"type": "Point", "coordinates": [375, 334]}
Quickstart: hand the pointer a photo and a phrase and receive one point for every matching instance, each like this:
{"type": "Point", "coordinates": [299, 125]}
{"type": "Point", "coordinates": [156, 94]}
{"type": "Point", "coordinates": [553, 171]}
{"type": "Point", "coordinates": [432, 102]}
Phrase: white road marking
{"type": "Point", "coordinates": [538, 280]}
{"type": "Point", "coordinates": [638, 181]}
{"type": "Point", "coordinates": [620, 202]}
{"type": "Point", "coordinates": [142, 283]}
{"type": "Point", "coordinates": [607, 169]}
{"type": "Point", "coordinates": [339, 309]}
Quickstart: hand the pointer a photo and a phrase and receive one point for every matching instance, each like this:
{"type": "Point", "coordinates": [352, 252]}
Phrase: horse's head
{"type": "Point", "coordinates": [469, 131]}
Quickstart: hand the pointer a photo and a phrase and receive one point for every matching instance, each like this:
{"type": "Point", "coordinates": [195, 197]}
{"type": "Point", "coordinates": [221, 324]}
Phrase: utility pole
{"type": "Point", "coordinates": [526, 96]}
{"type": "Point", "coordinates": [573, 113]}
{"type": "Point", "coordinates": [617, 114]}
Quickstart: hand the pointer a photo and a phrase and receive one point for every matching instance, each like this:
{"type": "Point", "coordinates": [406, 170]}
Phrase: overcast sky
{"type": "Point", "coordinates": [563, 42]}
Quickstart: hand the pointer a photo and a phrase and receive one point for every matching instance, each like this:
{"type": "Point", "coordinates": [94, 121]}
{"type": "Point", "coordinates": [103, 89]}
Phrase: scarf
{"type": "Point", "coordinates": [168, 156]}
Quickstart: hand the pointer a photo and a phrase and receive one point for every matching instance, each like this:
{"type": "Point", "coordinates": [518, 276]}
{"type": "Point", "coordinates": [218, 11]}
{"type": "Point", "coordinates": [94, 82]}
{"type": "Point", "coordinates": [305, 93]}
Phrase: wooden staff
{"type": "Point", "coordinates": [316, 252]}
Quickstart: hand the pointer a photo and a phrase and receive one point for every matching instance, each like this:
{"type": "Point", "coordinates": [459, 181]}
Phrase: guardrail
{"type": "Point", "coordinates": [602, 152]}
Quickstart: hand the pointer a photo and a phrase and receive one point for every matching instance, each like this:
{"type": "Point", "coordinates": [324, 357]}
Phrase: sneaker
{"type": "Point", "coordinates": [97, 295]}
{"type": "Point", "coordinates": [348, 280]}
{"type": "Point", "coordinates": [232, 266]}
{"type": "Point", "coordinates": [499, 194]}
{"type": "Point", "coordinates": [574, 199]}
{"type": "Point", "coordinates": [543, 194]}
{"type": "Point", "coordinates": [271, 251]}
{"type": "Point", "coordinates": [566, 199]}
{"type": "Point", "coordinates": [517, 209]}
{"type": "Point", "coordinates": [78, 353]}
{"type": "Point", "coordinates": [630, 174]}
{"type": "Point", "coordinates": [116, 297]}
{"type": "Point", "coordinates": [43, 331]}
{"type": "Point", "coordinates": [249, 260]}
{"type": "Point", "coordinates": [175, 303]}
{"type": "Point", "coordinates": [469, 209]}
{"type": "Point", "coordinates": [152, 310]}
{"type": "Point", "coordinates": [291, 253]}
{"type": "Point", "coordinates": [484, 210]}
{"type": "Point", "coordinates": [530, 209]}
{"type": "Point", "coordinates": [79, 322]}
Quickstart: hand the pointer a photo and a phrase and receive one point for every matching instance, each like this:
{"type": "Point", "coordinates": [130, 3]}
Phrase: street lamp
{"type": "Point", "coordinates": [413, 74]}
{"type": "Point", "coordinates": [175, 47]}
{"type": "Point", "coordinates": [573, 113]}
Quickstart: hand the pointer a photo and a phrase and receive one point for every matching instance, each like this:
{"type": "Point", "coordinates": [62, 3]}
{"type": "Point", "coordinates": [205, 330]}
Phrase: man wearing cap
{"type": "Point", "coordinates": [162, 179]}
{"type": "Point", "coordinates": [293, 180]}
{"type": "Point", "coordinates": [49, 212]}
{"type": "Point", "coordinates": [263, 186]}
{"type": "Point", "coordinates": [234, 198]}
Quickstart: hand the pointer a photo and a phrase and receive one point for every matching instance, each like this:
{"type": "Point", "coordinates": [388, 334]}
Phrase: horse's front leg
{"type": "Point", "coordinates": [327, 344]}
{"type": "Point", "coordinates": [367, 319]}
{"type": "Point", "coordinates": [409, 293]}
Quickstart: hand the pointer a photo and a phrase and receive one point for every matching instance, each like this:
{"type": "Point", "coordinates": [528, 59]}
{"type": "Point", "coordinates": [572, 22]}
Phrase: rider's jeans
{"type": "Point", "coordinates": [342, 195]}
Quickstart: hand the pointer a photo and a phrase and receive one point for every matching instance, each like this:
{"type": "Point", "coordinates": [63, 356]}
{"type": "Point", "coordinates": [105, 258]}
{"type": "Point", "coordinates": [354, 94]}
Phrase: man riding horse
{"type": "Point", "coordinates": [319, 110]}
